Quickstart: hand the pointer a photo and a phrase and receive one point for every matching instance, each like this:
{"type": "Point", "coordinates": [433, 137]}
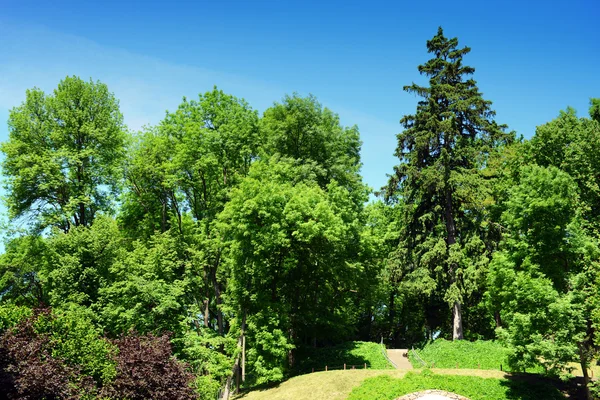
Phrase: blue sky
{"type": "Point", "coordinates": [532, 58]}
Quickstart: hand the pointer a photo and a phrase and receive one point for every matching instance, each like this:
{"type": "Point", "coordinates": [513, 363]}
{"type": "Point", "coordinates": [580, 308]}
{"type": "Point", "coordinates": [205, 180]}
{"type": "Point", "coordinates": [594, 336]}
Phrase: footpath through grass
{"type": "Point", "coordinates": [386, 388]}
{"type": "Point", "coordinates": [350, 353]}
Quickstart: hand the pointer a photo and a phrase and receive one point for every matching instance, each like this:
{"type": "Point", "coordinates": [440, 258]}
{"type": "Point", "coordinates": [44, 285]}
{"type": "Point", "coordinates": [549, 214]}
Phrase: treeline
{"type": "Point", "coordinates": [232, 239]}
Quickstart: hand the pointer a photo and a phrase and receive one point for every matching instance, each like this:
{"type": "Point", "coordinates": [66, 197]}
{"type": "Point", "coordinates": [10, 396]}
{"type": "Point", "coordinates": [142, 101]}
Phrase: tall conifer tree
{"type": "Point", "coordinates": [442, 150]}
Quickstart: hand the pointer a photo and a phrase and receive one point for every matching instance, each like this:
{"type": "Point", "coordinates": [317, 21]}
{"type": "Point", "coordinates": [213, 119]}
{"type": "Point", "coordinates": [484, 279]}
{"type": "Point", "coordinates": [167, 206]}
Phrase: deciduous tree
{"type": "Point", "coordinates": [64, 154]}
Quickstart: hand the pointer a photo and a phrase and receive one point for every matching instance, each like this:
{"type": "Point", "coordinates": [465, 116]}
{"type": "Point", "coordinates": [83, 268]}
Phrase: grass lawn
{"type": "Point", "coordinates": [480, 354]}
{"type": "Point", "coordinates": [387, 388]}
{"type": "Point", "coordinates": [447, 354]}
{"type": "Point", "coordinates": [331, 385]}
{"type": "Point", "coordinates": [389, 384]}
{"type": "Point", "coordinates": [474, 355]}
{"type": "Point", "coordinates": [349, 353]}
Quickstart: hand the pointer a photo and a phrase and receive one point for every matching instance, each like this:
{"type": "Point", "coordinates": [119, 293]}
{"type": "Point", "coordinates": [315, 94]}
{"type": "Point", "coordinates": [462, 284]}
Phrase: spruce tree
{"type": "Point", "coordinates": [442, 151]}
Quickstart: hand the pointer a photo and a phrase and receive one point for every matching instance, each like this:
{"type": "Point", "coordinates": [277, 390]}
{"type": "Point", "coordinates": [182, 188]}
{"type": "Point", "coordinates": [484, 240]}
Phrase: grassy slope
{"type": "Point", "coordinates": [473, 387]}
{"type": "Point", "coordinates": [479, 354]}
{"type": "Point", "coordinates": [447, 354]}
{"type": "Point", "coordinates": [331, 385]}
{"type": "Point", "coordinates": [338, 385]}
{"type": "Point", "coordinates": [349, 353]}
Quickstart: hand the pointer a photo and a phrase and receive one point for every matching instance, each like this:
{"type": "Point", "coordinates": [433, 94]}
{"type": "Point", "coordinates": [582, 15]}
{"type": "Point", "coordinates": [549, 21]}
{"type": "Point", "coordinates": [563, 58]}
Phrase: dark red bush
{"type": "Point", "coordinates": [28, 370]}
{"type": "Point", "coordinates": [145, 366]}
{"type": "Point", "coordinates": [147, 370]}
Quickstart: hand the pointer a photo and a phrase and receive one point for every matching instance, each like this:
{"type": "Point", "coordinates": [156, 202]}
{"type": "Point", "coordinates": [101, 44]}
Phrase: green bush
{"type": "Point", "coordinates": [386, 388]}
{"type": "Point", "coordinates": [11, 315]}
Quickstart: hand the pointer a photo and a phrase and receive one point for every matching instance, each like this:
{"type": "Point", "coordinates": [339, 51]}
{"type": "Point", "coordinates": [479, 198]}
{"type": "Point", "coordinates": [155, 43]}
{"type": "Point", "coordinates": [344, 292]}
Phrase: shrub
{"type": "Point", "coordinates": [147, 370]}
{"type": "Point", "coordinates": [30, 371]}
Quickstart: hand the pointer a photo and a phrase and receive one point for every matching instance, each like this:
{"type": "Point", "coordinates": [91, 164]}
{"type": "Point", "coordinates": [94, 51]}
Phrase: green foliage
{"type": "Point", "coordinates": [350, 353]}
{"type": "Point", "coordinates": [11, 315]}
{"type": "Point", "coordinates": [475, 388]}
{"type": "Point", "coordinates": [543, 279]}
{"type": "Point", "coordinates": [302, 129]}
{"type": "Point", "coordinates": [75, 339]}
{"type": "Point", "coordinates": [20, 265]}
{"type": "Point", "coordinates": [595, 109]}
{"type": "Point", "coordinates": [570, 144]}
{"type": "Point", "coordinates": [200, 350]}
{"type": "Point", "coordinates": [190, 161]}
{"type": "Point", "coordinates": [290, 234]}
{"type": "Point", "coordinates": [79, 262]}
{"type": "Point", "coordinates": [148, 288]}
{"type": "Point", "coordinates": [64, 154]}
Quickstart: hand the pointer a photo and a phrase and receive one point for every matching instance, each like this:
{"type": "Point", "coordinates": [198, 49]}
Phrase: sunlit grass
{"type": "Point", "coordinates": [473, 387]}
{"type": "Point", "coordinates": [481, 354]}
{"type": "Point", "coordinates": [331, 385]}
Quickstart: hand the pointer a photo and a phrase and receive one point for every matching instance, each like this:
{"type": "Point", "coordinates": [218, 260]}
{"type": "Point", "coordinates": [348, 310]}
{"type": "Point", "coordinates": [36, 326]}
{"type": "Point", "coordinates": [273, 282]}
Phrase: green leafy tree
{"type": "Point", "coordinates": [570, 143]}
{"type": "Point", "coordinates": [20, 264]}
{"type": "Point", "coordinates": [151, 203]}
{"type": "Point", "coordinates": [595, 109]}
{"type": "Point", "coordinates": [302, 129]}
{"type": "Point", "coordinates": [293, 272]}
{"type": "Point", "coordinates": [63, 155]}
{"type": "Point", "coordinates": [149, 288]}
{"type": "Point", "coordinates": [79, 262]}
{"type": "Point", "coordinates": [544, 278]}
{"type": "Point", "coordinates": [179, 176]}
{"type": "Point", "coordinates": [442, 150]}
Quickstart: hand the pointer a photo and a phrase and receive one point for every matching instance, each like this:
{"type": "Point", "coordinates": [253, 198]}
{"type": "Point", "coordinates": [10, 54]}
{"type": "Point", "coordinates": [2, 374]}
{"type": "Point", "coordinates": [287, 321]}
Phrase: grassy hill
{"type": "Point", "coordinates": [478, 375]}
{"type": "Point", "coordinates": [488, 355]}
{"type": "Point", "coordinates": [389, 384]}
{"type": "Point", "coordinates": [473, 387]}
{"type": "Point", "coordinates": [474, 355]}
{"type": "Point", "coordinates": [331, 385]}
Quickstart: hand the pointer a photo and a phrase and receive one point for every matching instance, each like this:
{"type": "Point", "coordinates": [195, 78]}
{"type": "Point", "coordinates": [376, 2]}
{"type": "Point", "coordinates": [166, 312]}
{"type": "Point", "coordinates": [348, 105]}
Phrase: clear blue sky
{"type": "Point", "coordinates": [532, 58]}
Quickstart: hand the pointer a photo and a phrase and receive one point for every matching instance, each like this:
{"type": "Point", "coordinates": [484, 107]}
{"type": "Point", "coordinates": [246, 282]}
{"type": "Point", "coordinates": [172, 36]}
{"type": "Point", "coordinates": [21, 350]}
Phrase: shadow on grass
{"type": "Point", "coordinates": [335, 357]}
{"type": "Point", "coordinates": [257, 388]}
{"type": "Point", "coordinates": [534, 387]}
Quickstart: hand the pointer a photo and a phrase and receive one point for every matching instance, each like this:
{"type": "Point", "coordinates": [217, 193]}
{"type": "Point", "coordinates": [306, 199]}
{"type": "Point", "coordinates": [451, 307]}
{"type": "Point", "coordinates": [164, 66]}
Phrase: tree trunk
{"type": "Point", "coordinates": [584, 368]}
{"type": "Point", "coordinates": [457, 328]}
{"type": "Point", "coordinates": [292, 352]}
{"type": "Point", "coordinates": [243, 358]}
{"type": "Point", "coordinates": [236, 365]}
{"type": "Point", "coordinates": [217, 288]}
{"type": "Point", "coordinates": [392, 317]}
{"type": "Point", "coordinates": [206, 312]}
{"type": "Point", "coordinates": [497, 318]}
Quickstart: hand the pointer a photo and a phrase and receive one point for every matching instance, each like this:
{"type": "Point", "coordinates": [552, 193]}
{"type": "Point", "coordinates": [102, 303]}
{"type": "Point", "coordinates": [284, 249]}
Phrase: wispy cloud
{"type": "Point", "coordinates": [147, 87]}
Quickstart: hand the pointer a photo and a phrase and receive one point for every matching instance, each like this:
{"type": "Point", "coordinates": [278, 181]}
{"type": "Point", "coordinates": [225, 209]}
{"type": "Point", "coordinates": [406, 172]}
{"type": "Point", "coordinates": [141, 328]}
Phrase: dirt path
{"type": "Point", "coordinates": [400, 358]}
